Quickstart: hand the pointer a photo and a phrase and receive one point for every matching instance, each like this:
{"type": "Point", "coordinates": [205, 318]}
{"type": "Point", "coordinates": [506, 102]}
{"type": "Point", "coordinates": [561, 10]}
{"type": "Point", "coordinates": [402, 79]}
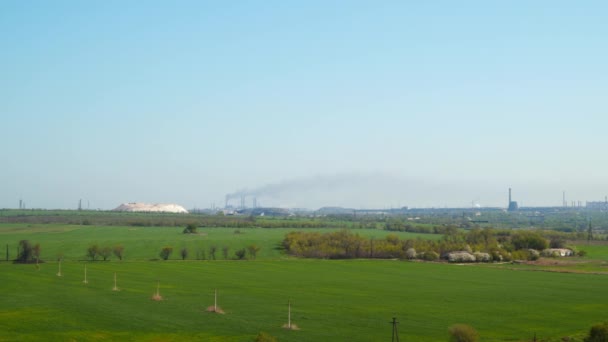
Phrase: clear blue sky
{"type": "Point", "coordinates": [419, 103]}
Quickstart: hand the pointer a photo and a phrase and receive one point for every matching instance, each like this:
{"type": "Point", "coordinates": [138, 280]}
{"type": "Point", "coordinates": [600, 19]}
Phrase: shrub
{"type": "Point", "coordinates": [190, 229]}
{"type": "Point", "coordinates": [527, 239]}
{"type": "Point", "coordinates": [430, 256]}
{"type": "Point", "coordinates": [598, 333]}
{"type": "Point", "coordinates": [28, 252]}
{"type": "Point", "coordinates": [557, 242]}
{"type": "Point", "coordinates": [166, 252]}
{"type": "Point", "coordinates": [240, 253]}
{"type": "Point", "coordinates": [482, 257]}
{"type": "Point", "coordinates": [581, 253]}
{"type": "Point", "coordinates": [461, 257]}
{"type": "Point", "coordinates": [264, 337]}
{"type": "Point", "coordinates": [462, 333]}
{"type": "Point", "coordinates": [410, 253]}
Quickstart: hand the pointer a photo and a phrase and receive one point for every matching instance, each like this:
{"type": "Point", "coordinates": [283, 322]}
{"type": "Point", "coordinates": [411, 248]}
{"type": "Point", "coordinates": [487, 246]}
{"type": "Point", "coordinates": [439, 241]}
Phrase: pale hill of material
{"type": "Point", "coordinates": [155, 208]}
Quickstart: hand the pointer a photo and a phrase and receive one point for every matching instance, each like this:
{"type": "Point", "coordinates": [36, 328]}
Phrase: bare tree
{"type": "Point", "coordinates": [119, 251]}
{"type": "Point", "coordinates": [93, 251]}
{"type": "Point", "coordinates": [184, 253]}
{"type": "Point", "coordinates": [105, 253]}
{"type": "Point", "coordinates": [253, 250]}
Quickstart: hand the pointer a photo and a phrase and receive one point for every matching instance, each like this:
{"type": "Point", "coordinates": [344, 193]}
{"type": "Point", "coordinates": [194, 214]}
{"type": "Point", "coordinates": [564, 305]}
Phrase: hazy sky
{"type": "Point", "coordinates": [353, 103]}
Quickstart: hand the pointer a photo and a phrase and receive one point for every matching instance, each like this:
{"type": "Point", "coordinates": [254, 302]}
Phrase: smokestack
{"type": "Point", "coordinates": [509, 196]}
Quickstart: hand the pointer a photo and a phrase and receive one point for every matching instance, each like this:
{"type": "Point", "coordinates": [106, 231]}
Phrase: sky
{"type": "Point", "coordinates": [364, 104]}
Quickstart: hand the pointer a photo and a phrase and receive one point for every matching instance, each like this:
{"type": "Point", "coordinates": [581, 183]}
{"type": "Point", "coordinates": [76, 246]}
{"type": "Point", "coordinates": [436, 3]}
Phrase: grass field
{"type": "Point", "coordinates": [145, 243]}
{"type": "Point", "coordinates": [333, 300]}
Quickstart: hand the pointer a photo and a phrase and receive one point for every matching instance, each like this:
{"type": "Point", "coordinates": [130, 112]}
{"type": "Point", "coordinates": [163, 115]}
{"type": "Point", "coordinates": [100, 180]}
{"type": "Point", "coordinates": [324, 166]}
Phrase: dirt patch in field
{"type": "Point", "coordinates": [292, 327]}
{"type": "Point", "coordinates": [216, 310]}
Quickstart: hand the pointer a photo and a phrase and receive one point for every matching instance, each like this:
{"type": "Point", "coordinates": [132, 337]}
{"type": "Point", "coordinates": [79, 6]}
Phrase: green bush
{"type": "Point", "coordinates": [166, 252]}
{"type": "Point", "coordinates": [598, 333]}
{"type": "Point", "coordinates": [430, 256]}
{"type": "Point", "coordinates": [240, 253]}
{"type": "Point", "coordinates": [462, 333]}
{"type": "Point", "coordinates": [528, 239]}
{"type": "Point", "coordinates": [265, 337]}
{"type": "Point", "coordinates": [190, 229]}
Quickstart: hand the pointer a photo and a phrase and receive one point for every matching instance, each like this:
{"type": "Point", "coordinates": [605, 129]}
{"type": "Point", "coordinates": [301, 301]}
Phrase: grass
{"type": "Point", "coordinates": [145, 243]}
{"type": "Point", "coordinates": [332, 300]}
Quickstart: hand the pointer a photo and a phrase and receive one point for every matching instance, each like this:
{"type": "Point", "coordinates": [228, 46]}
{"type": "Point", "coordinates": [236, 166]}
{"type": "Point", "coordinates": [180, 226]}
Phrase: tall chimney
{"type": "Point", "coordinates": [509, 196]}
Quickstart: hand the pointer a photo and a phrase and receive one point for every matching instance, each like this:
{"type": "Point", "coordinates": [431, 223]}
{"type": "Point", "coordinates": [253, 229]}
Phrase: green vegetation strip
{"type": "Point", "coordinates": [332, 301]}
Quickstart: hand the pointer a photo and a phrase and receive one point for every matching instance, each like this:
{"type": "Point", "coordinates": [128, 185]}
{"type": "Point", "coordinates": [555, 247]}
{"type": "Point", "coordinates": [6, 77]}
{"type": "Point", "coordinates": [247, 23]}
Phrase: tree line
{"type": "Point", "coordinates": [344, 244]}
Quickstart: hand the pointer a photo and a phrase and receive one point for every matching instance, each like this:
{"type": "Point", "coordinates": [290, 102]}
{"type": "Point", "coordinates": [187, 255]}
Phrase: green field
{"type": "Point", "coordinates": [333, 300]}
{"type": "Point", "coordinates": [145, 243]}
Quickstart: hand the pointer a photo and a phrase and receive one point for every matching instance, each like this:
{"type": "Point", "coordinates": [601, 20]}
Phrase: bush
{"type": "Point", "coordinates": [27, 252]}
{"type": "Point", "coordinates": [598, 333]}
{"type": "Point", "coordinates": [240, 253]}
{"type": "Point", "coordinates": [461, 256]}
{"type": "Point", "coordinates": [166, 252]}
{"type": "Point", "coordinates": [190, 229]}
{"type": "Point", "coordinates": [462, 333]}
{"type": "Point", "coordinates": [528, 239]}
{"type": "Point", "coordinates": [581, 253]}
{"type": "Point", "coordinates": [410, 253]}
{"type": "Point", "coordinates": [430, 256]}
{"type": "Point", "coordinates": [264, 337]}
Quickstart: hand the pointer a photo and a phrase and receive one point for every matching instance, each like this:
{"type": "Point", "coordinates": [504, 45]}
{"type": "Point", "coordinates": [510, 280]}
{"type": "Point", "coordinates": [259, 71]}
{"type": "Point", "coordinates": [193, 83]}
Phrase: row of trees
{"type": "Point", "coordinates": [94, 252]}
{"type": "Point", "coordinates": [499, 245]}
{"type": "Point", "coordinates": [250, 251]}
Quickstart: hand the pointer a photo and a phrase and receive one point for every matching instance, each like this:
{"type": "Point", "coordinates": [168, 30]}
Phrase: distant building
{"type": "Point", "coordinates": [597, 205]}
{"type": "Point", "coordinates": [512, 204]}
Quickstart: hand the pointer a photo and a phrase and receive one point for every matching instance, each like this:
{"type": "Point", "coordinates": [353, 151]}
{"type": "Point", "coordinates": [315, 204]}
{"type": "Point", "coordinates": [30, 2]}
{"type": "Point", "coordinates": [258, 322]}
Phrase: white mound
{"type": "Point", "coordinates": [156, 208]}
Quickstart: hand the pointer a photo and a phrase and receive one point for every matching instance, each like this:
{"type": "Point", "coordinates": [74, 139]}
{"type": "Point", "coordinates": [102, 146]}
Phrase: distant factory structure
{"type": "Point", "coordinates": [512, 204]}
{"type": "Point", "coordinates": [597, 205]}
{"type": "Point", "coordinates": [242, 205]}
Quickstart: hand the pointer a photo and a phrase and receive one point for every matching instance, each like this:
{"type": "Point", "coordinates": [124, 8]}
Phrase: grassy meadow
{"type": "Point", "coordinates": [333, 300]}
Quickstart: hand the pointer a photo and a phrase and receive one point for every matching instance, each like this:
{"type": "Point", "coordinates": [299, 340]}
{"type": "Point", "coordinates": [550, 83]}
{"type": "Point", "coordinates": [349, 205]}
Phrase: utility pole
{"type": "Point", "coordinates": [395, 337]}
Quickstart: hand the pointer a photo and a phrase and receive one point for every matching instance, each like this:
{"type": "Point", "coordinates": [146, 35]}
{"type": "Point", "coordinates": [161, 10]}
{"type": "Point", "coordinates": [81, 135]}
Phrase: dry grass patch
{"type": "Point", "coordinates": [215, 309]}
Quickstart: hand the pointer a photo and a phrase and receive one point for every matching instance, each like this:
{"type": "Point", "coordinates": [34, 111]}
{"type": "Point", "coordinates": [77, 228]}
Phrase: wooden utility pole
{"type": "Point", "coordinates": [289, 314]}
